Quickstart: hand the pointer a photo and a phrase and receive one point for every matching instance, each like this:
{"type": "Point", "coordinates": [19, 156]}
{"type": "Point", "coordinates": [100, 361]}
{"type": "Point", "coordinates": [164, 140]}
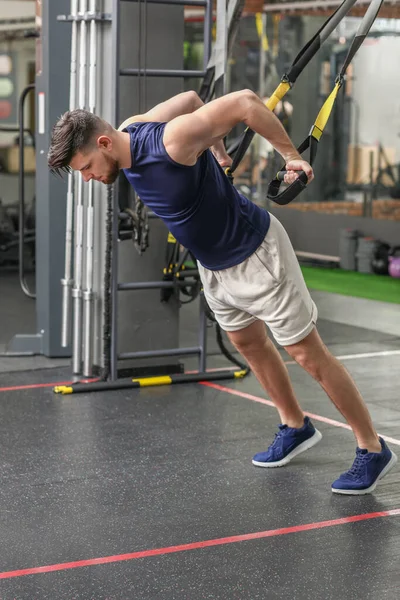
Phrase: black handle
{"type": "Point", "coordinates": [281, 175]}
{"type": "Point", "coordinates": [291, 192]}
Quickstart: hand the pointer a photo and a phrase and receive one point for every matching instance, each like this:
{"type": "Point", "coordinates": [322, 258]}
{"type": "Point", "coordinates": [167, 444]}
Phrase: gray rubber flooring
{"type": "Point", "coordinates": [151, 495]}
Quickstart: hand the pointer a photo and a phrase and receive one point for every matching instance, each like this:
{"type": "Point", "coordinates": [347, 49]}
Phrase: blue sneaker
{"type": "Point", "coordinates": [367, 469]}
{"type": "Point", "coordinates": [288, 443]}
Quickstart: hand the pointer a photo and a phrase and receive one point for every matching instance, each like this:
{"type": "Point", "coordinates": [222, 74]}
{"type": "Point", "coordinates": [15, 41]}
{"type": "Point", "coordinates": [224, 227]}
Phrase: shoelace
{"type": "Point", "coordinates": [358, 465]}
{"type": "Point", "coordinates": [277, 438]}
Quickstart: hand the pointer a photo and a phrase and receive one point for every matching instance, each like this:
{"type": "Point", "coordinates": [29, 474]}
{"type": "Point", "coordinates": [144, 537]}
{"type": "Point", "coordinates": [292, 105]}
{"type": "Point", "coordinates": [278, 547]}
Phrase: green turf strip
{"type": "Point", "coordinates": [350, 283]}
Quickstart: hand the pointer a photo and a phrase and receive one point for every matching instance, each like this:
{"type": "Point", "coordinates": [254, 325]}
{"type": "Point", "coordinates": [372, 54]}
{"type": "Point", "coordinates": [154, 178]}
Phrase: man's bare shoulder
{"type": "Point", "coordinates": [134, 119]}
{"type": "Point", "coordinates": [180, 139]}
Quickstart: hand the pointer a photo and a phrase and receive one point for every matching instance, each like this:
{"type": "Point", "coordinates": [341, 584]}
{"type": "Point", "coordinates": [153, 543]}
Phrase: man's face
{"type": "Point", "coordinates": [97, 164]}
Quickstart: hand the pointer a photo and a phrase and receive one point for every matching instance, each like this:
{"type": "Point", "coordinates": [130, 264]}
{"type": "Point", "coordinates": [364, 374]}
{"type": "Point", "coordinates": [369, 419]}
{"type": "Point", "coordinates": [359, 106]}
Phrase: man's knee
{"type": "Point", "coordinates": [251, 339]}
{"type": "Point", "coordinates": [311, 354]}
{"type": "Point", "coordinates": [307, 361]}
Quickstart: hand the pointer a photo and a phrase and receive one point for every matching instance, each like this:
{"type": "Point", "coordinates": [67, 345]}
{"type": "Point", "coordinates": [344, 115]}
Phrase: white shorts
{"type": "Point", "coordinates": [268, 286]}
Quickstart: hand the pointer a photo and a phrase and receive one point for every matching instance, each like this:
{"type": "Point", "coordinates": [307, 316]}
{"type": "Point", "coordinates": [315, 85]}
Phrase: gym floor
{"type": "Point", "coordinates": [150, 494]}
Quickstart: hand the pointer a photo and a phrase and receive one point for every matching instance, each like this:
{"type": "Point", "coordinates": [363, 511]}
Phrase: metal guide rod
{"type": "Point", "coordinates": [162, 72]}
{"type": "Point", "coordinates": [86, 16]}
{"type": "Point", "coordinates": [161, 353]}
{"type": "Point", "coordinates": [66, 282]}
{"type": "Point", "coordinates": [115, 32]}
{"type": "Point", "coordinates": [175, 2]}
{"type": "Point", "coordinates": [79, 213]}
{"type": "Point", "coordinates": [88, 287]}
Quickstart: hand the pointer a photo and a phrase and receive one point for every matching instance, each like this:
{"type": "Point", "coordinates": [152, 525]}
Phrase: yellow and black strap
{"type": "Point", "coordinates": [319, 125]}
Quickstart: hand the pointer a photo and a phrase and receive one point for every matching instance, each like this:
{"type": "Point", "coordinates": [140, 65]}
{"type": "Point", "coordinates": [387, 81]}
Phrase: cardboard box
{"type": "Point", "coordinates": [10, 158]}
{"type": "Point", "coordinates": [358, 165]}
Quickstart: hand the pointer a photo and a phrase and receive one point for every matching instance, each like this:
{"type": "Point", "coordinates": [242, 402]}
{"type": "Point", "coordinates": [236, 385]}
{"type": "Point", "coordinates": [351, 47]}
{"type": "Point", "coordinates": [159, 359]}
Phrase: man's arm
{"type": "Point", "coordinates": [182, 104]}
{"type": "Point", "coordinates": [187, 136]}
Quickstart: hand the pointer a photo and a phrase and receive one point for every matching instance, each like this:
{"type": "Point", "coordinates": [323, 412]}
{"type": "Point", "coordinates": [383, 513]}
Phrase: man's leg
{"type": "Point", "coordinates": [267, 365]}
{"type": "Point", "coordinates": [312, 354]}
{"type": "Point", "coordinates": [373, 457]}
{"type": "Point", "coordinates": [296, 432]}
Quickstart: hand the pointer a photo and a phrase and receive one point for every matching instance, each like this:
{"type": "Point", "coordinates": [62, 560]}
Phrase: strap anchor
{"type": "Point", "coordinates": [339, 80]}
{"type": "Point", "coordinates": [229, 174]}
{"type": "Point", "coordinates": [285, 79]}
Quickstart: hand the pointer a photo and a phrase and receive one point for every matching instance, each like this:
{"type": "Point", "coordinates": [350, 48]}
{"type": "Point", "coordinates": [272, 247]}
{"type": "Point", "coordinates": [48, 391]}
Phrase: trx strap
{"type": "Point", "coordinates": [171, 254]}
{"type": "Point", "coordinates": [221, 48]}
{"type": "Point", "coordinates": [270, 75]}
{"type": "Point", "coordinates": [318, 127]}
{"type": "Point", "coordinates": [288, 80]}
{"type": "Point", "coordinates": [176, 270]}
{"type": "Point", "coordinates": [261, 34]}
{"type": "Point", "coordinates": [234, 12]}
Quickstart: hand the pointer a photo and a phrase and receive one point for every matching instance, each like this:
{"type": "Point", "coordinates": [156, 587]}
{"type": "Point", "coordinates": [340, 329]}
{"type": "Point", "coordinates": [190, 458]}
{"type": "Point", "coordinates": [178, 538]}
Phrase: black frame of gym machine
{"type": "Point", "coordinates": [214, 66]}
{"type": "Point", "coordinates": [116, 287]}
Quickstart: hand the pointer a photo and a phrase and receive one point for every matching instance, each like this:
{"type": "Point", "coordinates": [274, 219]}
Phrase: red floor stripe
{"type": "Point", "coordinates": [260, 400]}
{"type": "Point", "coordinates": [198, 545]}
{"type": "Point", "coordinates": [32, 386]}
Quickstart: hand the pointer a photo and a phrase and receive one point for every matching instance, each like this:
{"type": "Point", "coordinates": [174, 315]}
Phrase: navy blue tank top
{"type": "Point", "coordinates": [198, 204]}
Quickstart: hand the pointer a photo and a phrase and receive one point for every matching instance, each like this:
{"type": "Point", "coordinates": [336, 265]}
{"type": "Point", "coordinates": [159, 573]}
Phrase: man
{"type": "Point", "coordinates": [247, 265]}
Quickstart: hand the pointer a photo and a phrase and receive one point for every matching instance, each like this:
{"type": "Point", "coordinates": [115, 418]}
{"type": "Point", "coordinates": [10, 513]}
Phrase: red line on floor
{"type": "Point", "coordinates": [32, 386]}
{"type": "Point", "coordinates": [199, 545]}
{"type": "Point", "coordinates": [319, 418]}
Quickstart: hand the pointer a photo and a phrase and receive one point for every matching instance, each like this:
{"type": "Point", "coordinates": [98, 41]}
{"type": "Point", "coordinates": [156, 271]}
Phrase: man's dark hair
{"type": "Point", "coordinates": [74, 132]}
